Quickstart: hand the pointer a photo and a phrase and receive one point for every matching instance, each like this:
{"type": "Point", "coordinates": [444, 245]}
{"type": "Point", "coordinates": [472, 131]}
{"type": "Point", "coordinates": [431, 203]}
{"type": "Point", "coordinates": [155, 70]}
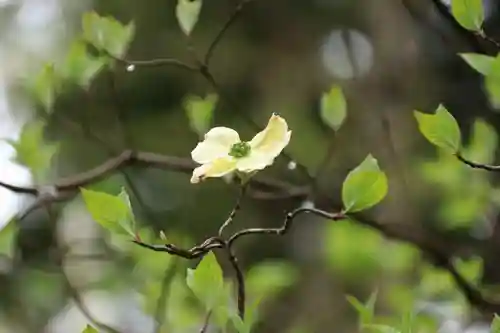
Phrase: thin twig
{"type": "Point", "coordinates": [160, 62]}
{"type": "Point", "coordinates": [235, 209]}
{"type": "Point", "coordinates": [222, 31]}
{"type": "Point", "coordinates": [476, 165]}
{"type": "Point", "coordinates": [206, 322]}
{"type": "Point", "coordinates": [73, 292]}
{"type": "Point", "coordinates": [79, 302]}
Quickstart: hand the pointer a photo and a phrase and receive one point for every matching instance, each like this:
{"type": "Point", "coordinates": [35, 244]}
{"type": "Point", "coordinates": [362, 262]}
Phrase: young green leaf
{"type": "Point", "coordinates": [492, 83]}
{"type": "Point", "coordinates": [31, 151]}
{"type": "Point", "coordinates": [200, 112]}
{"type": "Point", "coordinates": [7, 238]}
{"type": "Point", "coordinates": [334, 108]}
{"type": "Point", "coordinates": [365, 311]}
{"type": "Point", "coordinates": [480, 62]}
{"type": "Point", "coordinates": [80, 67]}
{"type": "Point", "coordinates": [107, 34]}
{"type": "Point", "coordinates": [440, 129]}
{"type": "Point", "coordinates": [207, 282]}
{"type": "Point", "coordinates": [364, 187]}
{"type": "Point", "coordinates": [245, 326]}
{"type": "Point", "coordinates": [188, 12]}
{"type": "Point", "coordinates": [110, 211]}
{"type": "Point", "coordinates": [470, 269]}
{"type": "Point", "coordinates": [46, 86]}
{"type": "Point", "coordinates": [469, 13]}
{"type": "Point", "coordinates": [495, 325]}
{"type": "Point", "coordinates": [90, 329]}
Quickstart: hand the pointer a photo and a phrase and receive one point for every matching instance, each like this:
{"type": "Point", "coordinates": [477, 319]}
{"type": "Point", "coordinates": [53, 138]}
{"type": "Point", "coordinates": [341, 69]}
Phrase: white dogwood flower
{"type": "Point", "coordinates": [222, 152]}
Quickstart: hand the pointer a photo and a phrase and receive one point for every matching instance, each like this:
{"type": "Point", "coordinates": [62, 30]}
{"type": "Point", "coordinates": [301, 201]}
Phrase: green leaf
{"type": "Point", "coordinates": [268, 278]}
{"type": "Point", "coordinates": [484, 142]}
{"type": "Point", "coordinates": [365, 311]}
{"type": "Point", "coordinates": [470, 269]}
{"type": "Point", "coordinates": [480, 62]}
{"type": "Point", "coordinates": [31, 151]}
{"type": "Point", "coordinates": [90, 329]}
{"type": "Point", "coordinates": [492, 83]}
{"type": "Point", "coordinates": [107, 34]}
{"type": "Point", "coordinates": [80, 67]}
{"type": "Point", "coordinates": [110, 211]}
{"type": "Point", "coordinates": [7, 238]}
{"type": "Point", "coordinates": [344, 255]}
{"type": "Point", "coordinates": [469, 13]}
{"type": "Point", "coordinates": [200, 112]}
{"type": "Point", "coordinates": [245, 326]}
{"type": "Point", "coordinates": [364, 187]}
{"type": "Point", "coordinates": [207, 282]}
{"type": "Point", "coordinates": [187, 13]}
{"type": "Point", "coordinates": [46, 86]}
{"type": "Point", "coordinates": [334, 108]}
{"type": "Point", "coordinates": [379, 328]}
{"type": "Point", "coordinates": [440, 129]}
{"type": "Point", "coordinates": [495, 324]}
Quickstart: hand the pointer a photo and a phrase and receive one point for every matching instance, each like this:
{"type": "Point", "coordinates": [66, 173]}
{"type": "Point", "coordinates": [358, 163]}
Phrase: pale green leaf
{"type": "Point", "coordinates": [245, 326]}
{"type": "Point", "coordinates": [365, 311]}
{"type": "Point", "coordinates": [31, 149]}
{"type": "Point", "coordinates": [334, 108]}
{"type": "Point", "coordinates": [207, 282]}
{"type": "Point", "coordinates": [440, 129]}
{"type": "Point", "coordinates": [469, 13]}
{"type": "Point", "coordinates": [344, 255]}
{"type": "Point", "coordinates": [495, 325]}
{"type": "Point", "coordinates": [110, 211]}
{"type": "Point", "coordinates": [90, 329]}
{"type": "Point", "coordinates": [46, 86]}
{"type": "Point", "coordinates": [7, 237]}
{"type": "Point", "coordinates": [492, 83]}
{"type": "Point", "coordinates": [200, 112]}
{"type": "Point", "coordinates": [471, 269]}
{"type": "Point", "coordinates": [107, 34]}
{"type": "Point", "coordinates": [80, 67]}
{"type": "Point", "coordinates": [480, 62]}
{"type": "Point", "coordinates": [364, 187]}
{"type": "Point", "coordinates": [268, 278]}
{"type": "Point", "coordinates": [187, 13]}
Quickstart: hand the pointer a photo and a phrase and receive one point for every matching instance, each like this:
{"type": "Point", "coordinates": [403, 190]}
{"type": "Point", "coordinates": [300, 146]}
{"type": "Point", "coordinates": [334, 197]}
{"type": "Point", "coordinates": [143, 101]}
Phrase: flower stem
{"type": "Point", "coordinates": [236, 208]}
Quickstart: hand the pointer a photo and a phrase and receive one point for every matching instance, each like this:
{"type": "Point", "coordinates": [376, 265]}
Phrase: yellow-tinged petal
{"type": "Point", "coordinates": [216, 168]}
{"type": "Point", "coordinates": [273, 139]}
{"type": "Point", "coordinates": [255, 161]}
{"type": "Point", "coordinates": [217, 143]}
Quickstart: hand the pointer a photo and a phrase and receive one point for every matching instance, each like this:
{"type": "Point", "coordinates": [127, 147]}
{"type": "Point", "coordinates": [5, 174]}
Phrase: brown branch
{"type": "Point", "coordinates": [240, 280]}
{"type": "Point", "coordinates": [278, 189]}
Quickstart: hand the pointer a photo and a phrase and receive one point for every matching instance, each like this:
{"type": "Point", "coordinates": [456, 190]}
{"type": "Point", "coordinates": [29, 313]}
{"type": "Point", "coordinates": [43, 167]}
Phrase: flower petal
{"type": "Point", "coordinates": [273, 139]}
{"type": "Point", "coordinates": [216, 168]}
{"type": "Point", "coordinates": [217, 143]}
{"type": "Point", "coordinates": [255, 161]}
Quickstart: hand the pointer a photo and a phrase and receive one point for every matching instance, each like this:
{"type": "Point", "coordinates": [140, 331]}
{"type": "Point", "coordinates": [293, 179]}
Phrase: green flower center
{"type": "Point", "coordinates": [240, 150]}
